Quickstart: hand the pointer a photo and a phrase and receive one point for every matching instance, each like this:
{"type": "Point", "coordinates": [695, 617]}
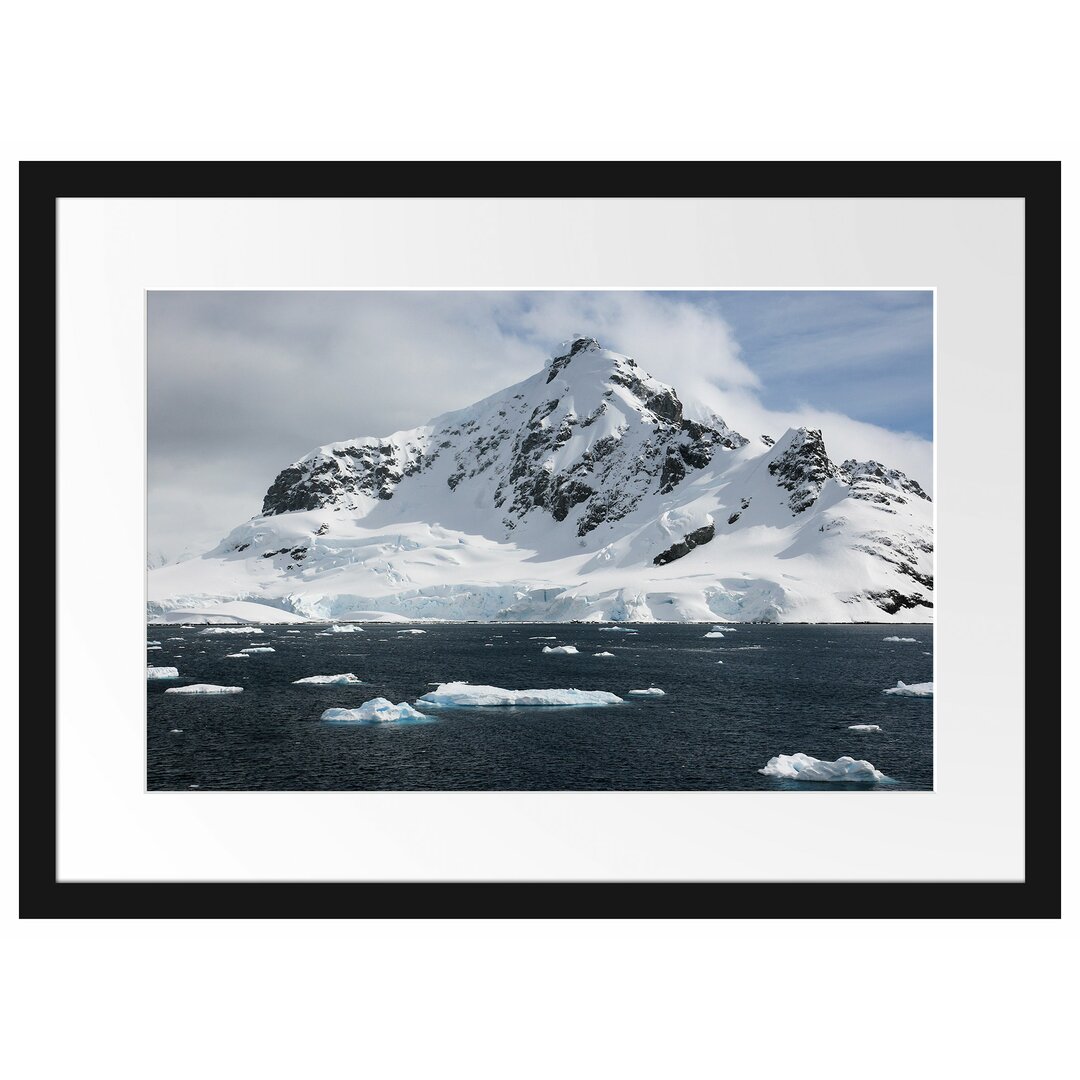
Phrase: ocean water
{"type": "Point", "coordinates": [781, 689]}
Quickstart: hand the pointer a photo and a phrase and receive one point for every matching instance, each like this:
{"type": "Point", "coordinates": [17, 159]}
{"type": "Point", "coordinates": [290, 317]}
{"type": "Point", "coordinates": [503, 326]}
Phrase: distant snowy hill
{"type": "Point", "coordinates": [583, 492]}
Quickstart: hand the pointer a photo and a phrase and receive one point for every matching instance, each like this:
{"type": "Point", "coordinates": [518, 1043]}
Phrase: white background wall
{"type": "Point", "coordinates": [558, 80]}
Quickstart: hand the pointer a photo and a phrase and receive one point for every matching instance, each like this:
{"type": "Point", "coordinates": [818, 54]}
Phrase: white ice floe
{"type": "Point", "coordinates": [726, 627]}
{"type": "Point", "coordinates": [158, 642]}
{"type": "Point", "coordinates": [176, 731]}
{"type": "Point", "coordinates": [231, 630]}
{"type": "Point", "coordinates": [603, 654]}
{"type": "Point", "coordinates": [617, 629]}
{"type": "Point", "coordinates": [411, 631]}
{"type": "Point", "coordinates": [162, 673]}
{"type": "Point", "coordinates": [909, 639]}
{"type": "Point", "coordinates": [863, 727]}
{"type": "Point", "coordinates": [348, 679]}
{"type": "Point", "coordinates": [653, 691]}
{"type": "Point", "coordinates": [344, 628]}
{"type": "Point", "coordinates": [378, 710]}
{"type": "Point", "coordinates": [204, 688]}
{"type": "Point", "coordinates": [550, 637]}
{"type": "Point", "coordinates": [292, 631]}
{"type": "Point", "coordinates": [562, 650]}
{"type": "Point", "coordinates": [153, 648]}
{"type": "Point", "coordinates": [714, 633]}
{"type": "Point", "coordinates": [237, 656]}
{"type": "Point", "coordinates": [174, 639]}
{"type": "Point", "coordinates": [466, 694]}
{"type": "Point", "coordinates": [903, 689]}
{"type": "Point", "coordinates": [804, 767]}
{"type": "Point", "coordinates": [258, 648]}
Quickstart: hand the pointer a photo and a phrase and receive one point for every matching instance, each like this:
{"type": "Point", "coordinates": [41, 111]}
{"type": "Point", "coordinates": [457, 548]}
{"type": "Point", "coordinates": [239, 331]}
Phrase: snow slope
{"type": "Point", "coordinates": [583, 492]}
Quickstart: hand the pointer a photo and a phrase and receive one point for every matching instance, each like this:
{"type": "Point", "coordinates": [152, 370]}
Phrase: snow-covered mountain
{"type": "Point", "coordinates": [583, 492]}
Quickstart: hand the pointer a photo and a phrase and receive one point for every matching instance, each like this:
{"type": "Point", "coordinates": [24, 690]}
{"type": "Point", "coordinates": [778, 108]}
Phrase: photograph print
{"type": "Point", "coordinates": [540, 541]}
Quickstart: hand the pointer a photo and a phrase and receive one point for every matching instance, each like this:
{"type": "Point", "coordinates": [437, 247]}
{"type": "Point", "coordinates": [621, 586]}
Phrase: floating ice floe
{"type": "Point", "coordinates": [158, 642]}
{"type": "Point", "coordinates": [411, 631]}
{"type": "Point", "coordinates": [231, 630]}
{"type": "Point", "coordinates": [344, 628]}
{"type": "Point", "coordinates": [153, 648]}
{"type": "Point", "coordinates": [714, 633]}
{"type": "Point", "coordinates": [727, 628]}
{"type": "Point", "coordinates": [603, 654]}
{"type": "Point", "coordinates": [562, 650]}
{"type": "Point", "coordinates": [237, 656]}
{"type": "Point", "coordinates": [863, 727]}
{"type": "Point", "coordinates": [292, 631]}
{"type": "Point", "coordinates": [804, 767]}
{"type": "Point", "coordinates": [348, 679]}
{"type": "Point", "coordinates": [378, 710]}
{"type": "Point", "coordinates": [617, 629]}
{"type": "Point", "coordinates": [914, 641]}
{"type": "Point", "coordinates": [551, 637]}
{"type": "Point", "coordinates": [162, 673]}
{"type": "Point", "coordinates": [176, 731]}
{"type": "Point", "coordinates": [258, 648]}
{"type": "Point", "coordinates": [903, 689]}
{"type": "Point", "coordinates": [174, 639]}
{"type": "Point", "coordinates": [465, 694]}
{"type": "Point", "coordinates": [204, 688]}
{"type": "Point", "coordinates": [652, 691]}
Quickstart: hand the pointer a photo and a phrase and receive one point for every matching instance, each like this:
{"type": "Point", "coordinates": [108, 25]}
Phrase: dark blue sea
{"type": "Point", "coordinates": [781, 689]}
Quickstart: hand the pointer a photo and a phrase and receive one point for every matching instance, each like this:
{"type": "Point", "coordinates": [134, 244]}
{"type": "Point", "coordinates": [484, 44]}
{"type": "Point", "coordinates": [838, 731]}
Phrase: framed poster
{"type": "Point", "coordinates": [531, 540]}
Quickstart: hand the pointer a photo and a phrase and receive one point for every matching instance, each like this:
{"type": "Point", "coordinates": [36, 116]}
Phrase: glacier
{"type": "Point", "coordinates": [459, 694]}
{"type": "Point", "coordinates": [377, 711]}
{"type": "Point", "coordinates": [589, 491]}
{"type": "Point", "coordinates": [804, 767]}
{"type": "Point", "coordinates": [902, 689]}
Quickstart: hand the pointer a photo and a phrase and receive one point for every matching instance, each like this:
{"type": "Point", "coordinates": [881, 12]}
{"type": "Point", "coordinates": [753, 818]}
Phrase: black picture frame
{"type": "Point", "coordinates": [1038, 183]}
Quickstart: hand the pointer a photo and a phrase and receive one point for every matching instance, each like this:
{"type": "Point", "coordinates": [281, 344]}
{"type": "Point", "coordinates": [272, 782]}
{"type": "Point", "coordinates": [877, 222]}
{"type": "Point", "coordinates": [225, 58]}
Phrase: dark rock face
{"type": "Point", "coordinates": [686, 545]}
{"type": "Point", "coordinates": [803, 469]}
{"type": "Point", "coordinates": [893, 601]}
{"type": "Point", "coordinates": [874, 482]}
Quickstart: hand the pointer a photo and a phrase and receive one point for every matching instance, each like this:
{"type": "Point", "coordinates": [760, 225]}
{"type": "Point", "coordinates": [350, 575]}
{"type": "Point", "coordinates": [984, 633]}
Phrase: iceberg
{"type": "Point", "coordinates": [204, 688]}
{"type": "Point", "coordinates": [412, 631]}
{"type": "Point", "coordinates": [653, 691]}
{"type": "Point", "coordinates": [462, 694]}
{"type": "Point", "coordinates": [603, 654]}
{"type": "Point", "coordinates": [237, 656]}
{"type": "Point", "coordinates": [158, 642]}
{"type": "Point", "coordinates": [914, 641]}
{"type": "Point", "coordinates": [231, 630]}
{"type": "Point", "coordinates": [804, 767]}
{"type": "Point", "coordinates": [378, 710]}
{"type": "Point", "coordinates": [258, 648]}
{"type": "Point", "coordinates": [344, 628]}
{"type": "Point", "coordinates": [863, 727]}
{"type": "Point", "coordinates": [562, 650]}
{"type": "Point", "coordinates": [714, 633]}
{"type": "Point", "coordinates": [903, 689]}
{"type": "Point", "coordinates": [348, 679]}
{"type": "Point", "coordinates": [162, 673]}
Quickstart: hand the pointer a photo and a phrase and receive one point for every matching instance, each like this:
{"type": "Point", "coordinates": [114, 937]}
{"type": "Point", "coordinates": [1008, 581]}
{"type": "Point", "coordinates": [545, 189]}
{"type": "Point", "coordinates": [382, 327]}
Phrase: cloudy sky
{"type": "Point", "coordinates": [241, 384]}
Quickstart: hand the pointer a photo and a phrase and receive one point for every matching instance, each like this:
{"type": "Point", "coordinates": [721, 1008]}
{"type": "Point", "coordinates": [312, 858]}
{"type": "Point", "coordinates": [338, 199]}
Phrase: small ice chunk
{"type": "Point", "coordinates": [292, 631]}
{"type": "Point", "coordinates": [174, 639]}
{"type": "Point", "coordinates": [562, 650]}
{"type": "Point", "coordinates": [412, 631]}
{"type": "Point", "coordinates": [204, 688]}
{"type": "Point", "coordinates": [237, 656]}
{"type": "Point", "coordinates": [714, 633]}
{"type": "Point", "coordinates": [344, 628]}
{"type": "Point", "coordinates": [231, 630]}
{"type": "Point", "coordinates": [863, 727]}
{"type": "Point", "coordinates": [894, 638]}
{"type": "Point", "coordinates": [617, 629]}
{"type": "Point", "coordinates": [378, 710]}
{"type": "Point", "coordinates": [465, 694]}
{"type": "Point", "coordinates": [804, 767]}
{"type": "Point", "coordinates": [903, 689]}
{"type": "Point", "coordinates": [726, 627]}
{"type": "Point", "coordinates": [258, 648]}
{"type": "Point", "coordinates": [153, 648]}
{"type": "Point", "coordinates": [348, 679]}
{"type": "Point", "coordinates": [176, 731]}
{"type": "Point", "coordinates": [603, 654]}
{"type": "Point", "coordinates": [551, 638]}
{"type": "Point", "coordinates": [158, 642]}
{"type": "Point", "coordinates": [653, 691]}
{"type": "Point", "coordinates": [162, 673]}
